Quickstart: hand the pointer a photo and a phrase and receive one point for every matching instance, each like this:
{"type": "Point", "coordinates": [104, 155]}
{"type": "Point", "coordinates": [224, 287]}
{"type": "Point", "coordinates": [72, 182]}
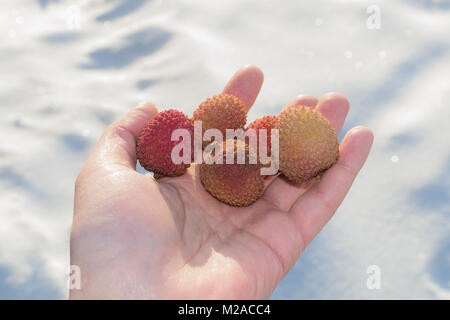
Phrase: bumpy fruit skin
{"type": "Point", "coordinates": [308, 143]}
{"type": "Point", "coordinates": [235, 184]}
{"type": "Point", "coordinates": [268, 123]}
{"type": "Point", "coordinates": [154, 146]}
{"type": "Point", "coordinates": [221, 112]}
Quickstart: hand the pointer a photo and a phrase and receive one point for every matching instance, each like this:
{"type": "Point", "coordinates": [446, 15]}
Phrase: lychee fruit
{"type": "Point", "coordinates": [154, 146]}
{"type": "Point", "coordinates": [237, 184]}
{"type": "Point", "coordinates": [221, 112]}
{"type": "Point", "coordinates": [268, 123]}
{"type": "Point", "coordinates": [308, 143]}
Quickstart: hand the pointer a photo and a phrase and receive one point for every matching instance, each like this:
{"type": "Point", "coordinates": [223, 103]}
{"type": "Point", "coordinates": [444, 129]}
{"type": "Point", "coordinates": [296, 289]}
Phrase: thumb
{"type": "Point", "coordinates": [117, 146]}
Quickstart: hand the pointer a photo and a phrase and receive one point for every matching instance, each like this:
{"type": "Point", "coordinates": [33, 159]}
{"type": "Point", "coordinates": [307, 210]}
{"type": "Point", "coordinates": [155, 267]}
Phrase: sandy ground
{"type": "Point", "coordinates": [69, 68]}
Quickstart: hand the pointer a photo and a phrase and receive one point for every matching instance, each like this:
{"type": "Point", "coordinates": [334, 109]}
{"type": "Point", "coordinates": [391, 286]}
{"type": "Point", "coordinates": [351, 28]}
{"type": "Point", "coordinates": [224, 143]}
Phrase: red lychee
{"type": "Point", "coordinates": [268, 123]}
{"type": "Point", "coordinates": [154, 146]}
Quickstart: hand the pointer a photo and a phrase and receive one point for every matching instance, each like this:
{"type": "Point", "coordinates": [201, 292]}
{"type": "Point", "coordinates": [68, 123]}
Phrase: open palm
{"type": "Point", "coordinates": [134, 237]}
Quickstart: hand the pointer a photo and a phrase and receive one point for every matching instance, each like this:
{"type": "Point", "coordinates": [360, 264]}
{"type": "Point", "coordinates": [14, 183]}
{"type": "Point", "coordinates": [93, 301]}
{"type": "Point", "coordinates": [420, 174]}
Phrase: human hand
{"type": "Point", "coordinates": [137, 238]}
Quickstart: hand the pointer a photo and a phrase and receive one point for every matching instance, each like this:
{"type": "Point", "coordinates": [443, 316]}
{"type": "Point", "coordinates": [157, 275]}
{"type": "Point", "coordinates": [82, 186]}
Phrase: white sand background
{"type": "Point", "coordinates": [69, 68]}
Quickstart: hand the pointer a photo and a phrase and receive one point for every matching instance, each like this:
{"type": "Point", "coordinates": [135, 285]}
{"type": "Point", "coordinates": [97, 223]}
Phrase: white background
{"type": "Point", "coordinates": [69, 68]}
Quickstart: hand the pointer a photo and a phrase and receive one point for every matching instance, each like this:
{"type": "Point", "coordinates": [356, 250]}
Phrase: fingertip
{"type": "Point", "coordinates": [118, 143]}
{"type": "Point", "coordinates": [362, 134]}
{"type": "Point", "coordinates": [137, 117]}
{"type": "Point", "coordinates": [254, 70]}
{"type": "Point", "coordinates": [334, 100]}
{"type": "Point", "coordinates": [246, 84]}
{"type": "Point", "coordinates": [147, 108]}
{"type": "Point", "coordinates": [303, 100]}
{"type": "Point", "coordinates": [335, 96]}
{"type": "Point", "coordinates": [362, 130]}
{"type": "Point", "coordinates": [334, 106]}
{"type": "Point", "coordinates": [355, 146]}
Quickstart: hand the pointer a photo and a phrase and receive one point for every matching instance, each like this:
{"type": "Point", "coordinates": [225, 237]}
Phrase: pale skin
{"type": "Point", "coordinates": [137, 238]}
